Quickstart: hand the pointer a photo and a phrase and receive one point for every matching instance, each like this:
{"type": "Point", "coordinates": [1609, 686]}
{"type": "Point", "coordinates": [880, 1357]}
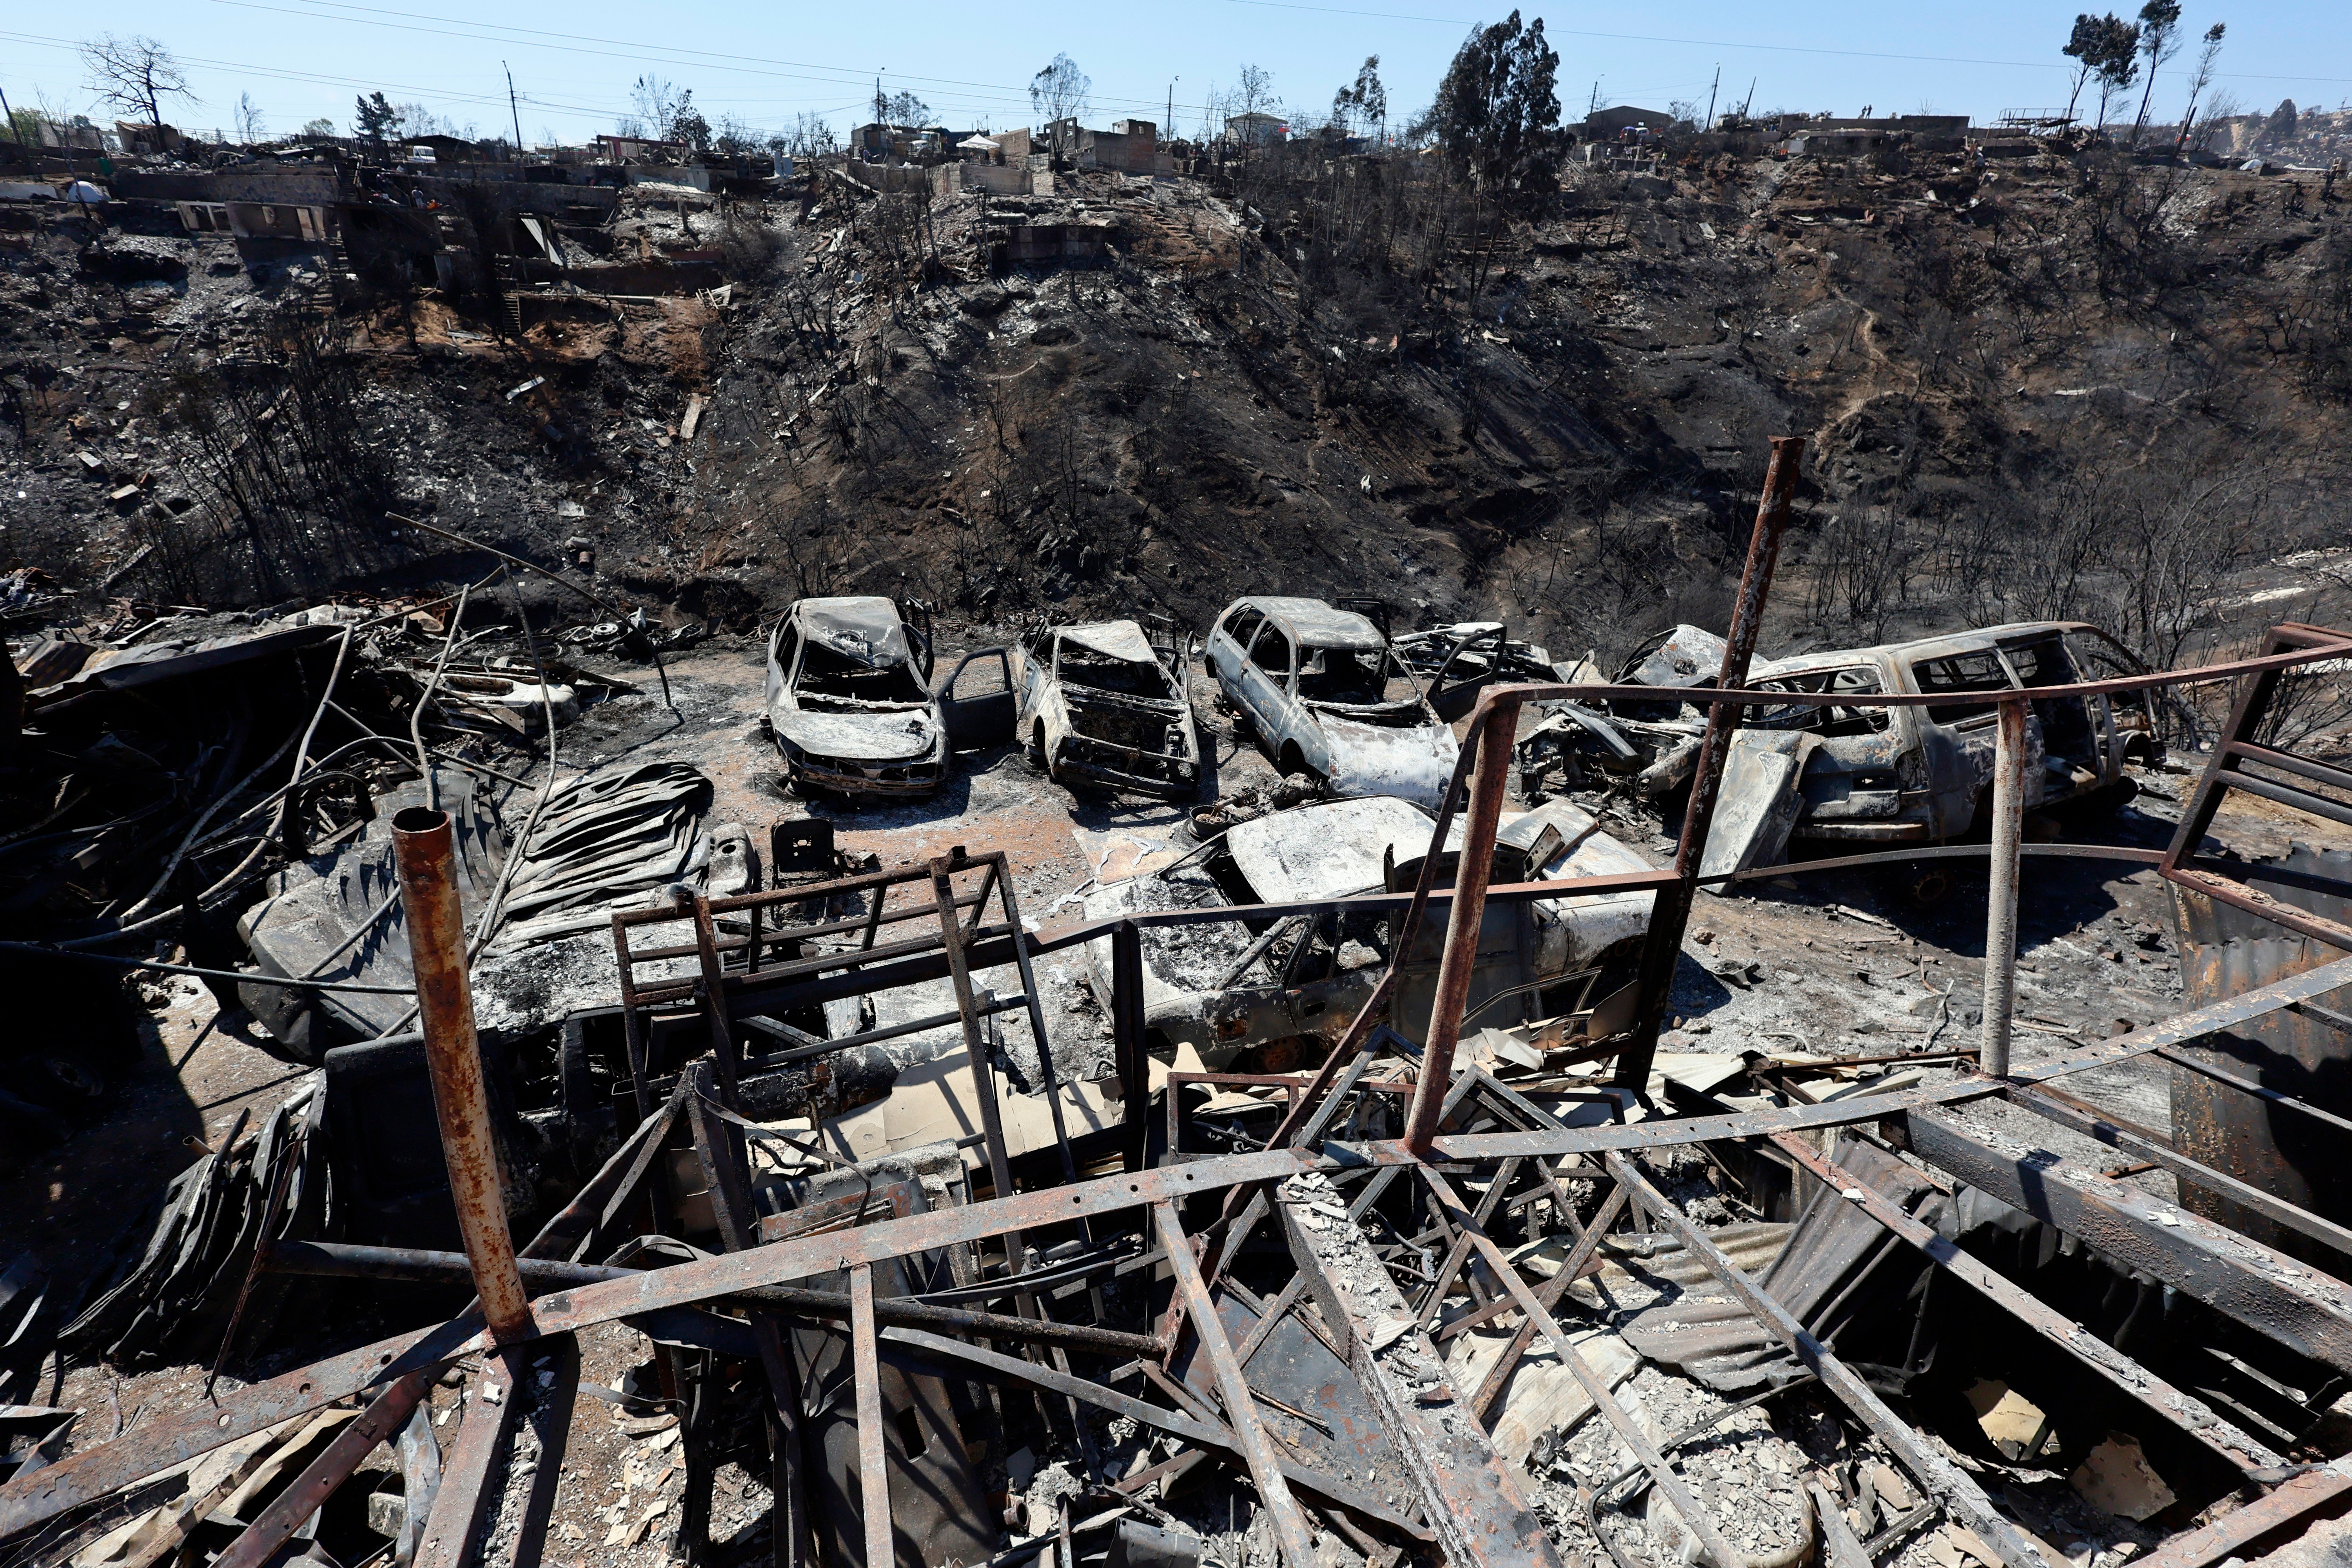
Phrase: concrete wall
{"type": "Point", "coordinates": [1042, 242]}
{"type": "Point", "coordinates": [247, 183]}
{"type": "Point", "coordinates": [1128, 154]}
{"type": "Point", "coordinates": [507, 197]}
{"type": "Point", "coordinates": [887, 178]}
{"type": "Point", "coordinates": [996, 179]}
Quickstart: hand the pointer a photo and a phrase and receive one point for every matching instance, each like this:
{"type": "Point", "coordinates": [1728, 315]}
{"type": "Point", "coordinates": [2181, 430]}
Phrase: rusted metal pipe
{"type": "Point", "coordinates": [1495, 734]}
{"type": "Point", "coordinates": [424, 848]}
{"type": "Point", "coordinates": [2000, 904]}
{"type": "Point", "coordinates": [1670, 913]}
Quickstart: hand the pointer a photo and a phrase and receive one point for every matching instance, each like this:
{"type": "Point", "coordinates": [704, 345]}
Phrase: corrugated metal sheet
{"type": "Point", "coordinates": [2225, 952]}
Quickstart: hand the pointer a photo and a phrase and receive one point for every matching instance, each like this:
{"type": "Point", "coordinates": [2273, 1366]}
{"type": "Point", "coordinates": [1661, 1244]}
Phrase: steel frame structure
{"type": "Point", "coordinates": [1192, 1214]}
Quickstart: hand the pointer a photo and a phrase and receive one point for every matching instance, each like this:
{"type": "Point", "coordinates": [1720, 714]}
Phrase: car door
{"type": "Point", "coordinates": [1265, 684]}
{"type": "Point", "coordinates": [977, 699]}
{"type": "Point", "coordinates": [1960, 733]}
{"type": "Point", "coordinates": [1469, 669]}
{"type": "Point", "coordinates": [1229, 647]}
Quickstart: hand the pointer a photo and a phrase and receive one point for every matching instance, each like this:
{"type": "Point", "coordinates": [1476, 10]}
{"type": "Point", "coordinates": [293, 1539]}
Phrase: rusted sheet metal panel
{"type": "Point", "coordinates": [2265, 1289]}
{"type": "Point", "coordinates": [1467, 1490]}
{"type": "Point", "coordinates": [2232, 1535]}
{"type": "Point", "coordinates": [2225, 952]}
{"type": "Point", "coordinates": [1285, 1358]}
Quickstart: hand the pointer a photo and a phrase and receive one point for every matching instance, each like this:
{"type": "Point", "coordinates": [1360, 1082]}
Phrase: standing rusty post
{"type": "Point", "coordinates": [2000, 905]}
{"type": "Point", "coordinates": [1670, 913]}
{"type": "Point", "coordinates": [1467, 915]}
{"type": "Point", "coordinates": [425, 850]}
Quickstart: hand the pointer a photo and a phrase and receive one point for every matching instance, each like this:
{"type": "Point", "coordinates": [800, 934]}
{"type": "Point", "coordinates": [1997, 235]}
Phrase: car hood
{"type": "Point", "coordinates": [1412, 763]}
{"type": "Point", "coordinates": [886, 737]}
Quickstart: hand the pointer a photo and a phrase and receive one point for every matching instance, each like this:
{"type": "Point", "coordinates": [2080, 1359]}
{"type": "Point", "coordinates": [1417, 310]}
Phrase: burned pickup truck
{"type": "Point", "coordinates": [1100, 705]}
{"type": "Point", "coordinates": [849, 701]}
{"type": "Point", "coordinates": [1861, 774]}
{"type": "Point", "coordinates": [1325, 696]}
{"type": "Point", "coordinates": [1223, 988]}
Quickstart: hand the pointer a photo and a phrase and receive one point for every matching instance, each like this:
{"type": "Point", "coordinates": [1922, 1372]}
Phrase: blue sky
{"type": "Point", "coordinates": [574, 63]}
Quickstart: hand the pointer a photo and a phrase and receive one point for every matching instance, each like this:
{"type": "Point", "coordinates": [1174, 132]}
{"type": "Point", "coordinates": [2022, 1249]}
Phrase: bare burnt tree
{"type": "Point", "coordinates": [289, 486]}
{"type": "Point", "coordinates": [134, 75]}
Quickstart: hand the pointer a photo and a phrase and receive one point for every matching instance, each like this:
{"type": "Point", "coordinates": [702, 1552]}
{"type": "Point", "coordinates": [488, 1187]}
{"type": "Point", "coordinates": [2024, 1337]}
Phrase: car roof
{"type": "Point", "coordinates": [1917, 647]}
{"type": "Point", "coordinates": [1323, 625]}
{"type": "Point", "coordinates": [1329, 849]}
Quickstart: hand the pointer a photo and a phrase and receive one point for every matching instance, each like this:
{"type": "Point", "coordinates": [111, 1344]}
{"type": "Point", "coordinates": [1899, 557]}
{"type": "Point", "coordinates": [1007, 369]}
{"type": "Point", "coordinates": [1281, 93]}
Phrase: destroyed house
{"type": "Point", "coordinates": [1255, 129]}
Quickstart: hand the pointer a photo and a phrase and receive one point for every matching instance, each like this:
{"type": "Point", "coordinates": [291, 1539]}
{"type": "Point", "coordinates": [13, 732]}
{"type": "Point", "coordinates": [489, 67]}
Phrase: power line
{"type": "Point", "coordinates": [1725, 44]}
{"type": "Point", "coordinates": [430, 95]}
{"type": "Point", "coordinates": [850, 76]}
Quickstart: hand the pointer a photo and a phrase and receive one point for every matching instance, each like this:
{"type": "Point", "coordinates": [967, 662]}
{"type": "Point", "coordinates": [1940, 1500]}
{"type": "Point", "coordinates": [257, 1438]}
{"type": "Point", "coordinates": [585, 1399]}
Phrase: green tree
{"type": "Point", "coordinates": [2199, 83]}
{"type": "Point", "coordinates": [686, 124]}
{"type": "Point", "coordinates": [2159, 40]}
{"type": "Point", "coordinates": [2104, 48]}
{"type": "Point", "coordinates": [1496, 115]}
{"type": "Point", "coordinates": [1365, 104]}
{"type": "Point", "coordinates": [374, 118]}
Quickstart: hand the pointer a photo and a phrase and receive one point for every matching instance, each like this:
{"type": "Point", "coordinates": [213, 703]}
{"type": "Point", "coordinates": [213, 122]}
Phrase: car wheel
{"type": "Point", "coordinates": [63, 1080]}
{"type": "Point", "coordinates": [1921, 884]}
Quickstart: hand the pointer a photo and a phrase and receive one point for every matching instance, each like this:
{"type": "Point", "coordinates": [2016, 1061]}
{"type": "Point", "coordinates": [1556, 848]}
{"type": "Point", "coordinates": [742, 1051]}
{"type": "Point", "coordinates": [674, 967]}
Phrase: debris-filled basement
{"type": "Point", "coordinates": [606, 973]}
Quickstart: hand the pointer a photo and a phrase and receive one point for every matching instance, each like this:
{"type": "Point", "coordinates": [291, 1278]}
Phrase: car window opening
{"type": "Point", "coordinates": [1083, 667]}
{"type": "Point", "coordinates": [2065, 720]}
{"type": "Point", "coordinates": [1824, 721]}
{"type": "Point", "coordinates": [1272, 652]}
{"type": "Point", "coordinates": [831, 679]}
{"type": "Point", "coordinates": [1979, 671]}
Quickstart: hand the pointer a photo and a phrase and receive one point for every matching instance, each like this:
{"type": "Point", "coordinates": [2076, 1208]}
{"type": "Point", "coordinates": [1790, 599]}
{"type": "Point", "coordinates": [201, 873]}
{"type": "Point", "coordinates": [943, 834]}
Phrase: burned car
{"type": "Point", "coordinates": [1325, 696]}
{"type": "Point", "coordinates": [1099, 705]}
{"type": "Point", "coordinates": [849, 701]}
{"type": "Point", "coordinates": [1861, 774]}
{"type": "Point", "coordinates": [1223, 987]}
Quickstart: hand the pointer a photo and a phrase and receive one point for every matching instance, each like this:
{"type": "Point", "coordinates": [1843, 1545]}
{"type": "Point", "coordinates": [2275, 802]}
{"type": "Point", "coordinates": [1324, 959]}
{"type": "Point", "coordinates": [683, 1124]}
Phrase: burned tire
{"type": "Point", "coordinates": [1920, 884]}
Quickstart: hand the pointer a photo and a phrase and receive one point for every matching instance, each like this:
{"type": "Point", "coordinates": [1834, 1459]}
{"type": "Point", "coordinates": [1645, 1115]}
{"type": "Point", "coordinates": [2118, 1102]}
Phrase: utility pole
{"type": "Point", "coordinates": [1749, 101]}
{"type": "Point", "coordinates": [1710, 99]}
{"type": "Point", "coordinates": [1593, 107]}
{"type": "Point", "coordinates": [512, 109]}
{"type": "Point", "coordinates": [10, 116]}
{"type": "Point", "coordinates": [1168, 120]}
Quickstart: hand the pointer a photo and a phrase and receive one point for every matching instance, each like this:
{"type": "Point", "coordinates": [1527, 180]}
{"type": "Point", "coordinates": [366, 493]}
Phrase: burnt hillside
{"type": "Point", "coordinates": [2060, 384]}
